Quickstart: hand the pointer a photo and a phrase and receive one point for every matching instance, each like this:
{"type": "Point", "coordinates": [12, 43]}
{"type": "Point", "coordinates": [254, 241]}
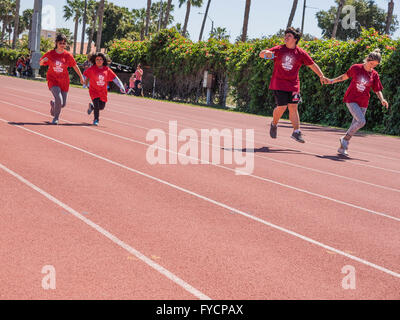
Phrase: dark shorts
{"type": "Point", "coordinates": [98, 104]}
{"type": "Point", "coordinates": [283, 98]}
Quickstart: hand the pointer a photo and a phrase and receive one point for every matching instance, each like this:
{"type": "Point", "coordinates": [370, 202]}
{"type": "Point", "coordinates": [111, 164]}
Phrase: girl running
{"type": "Point", "coordinates": [99, 75]}
{"type": "Point", "coordinates": [59, 60]}
{"type": "Point", "coordinates": [285, 82]}
{"type": "Point", "coordinates": [363, 78]}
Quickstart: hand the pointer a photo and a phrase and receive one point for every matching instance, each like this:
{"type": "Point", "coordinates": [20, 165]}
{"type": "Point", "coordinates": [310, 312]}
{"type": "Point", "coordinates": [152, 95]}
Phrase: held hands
{"type": "Point", "coordinates": [325, 80]}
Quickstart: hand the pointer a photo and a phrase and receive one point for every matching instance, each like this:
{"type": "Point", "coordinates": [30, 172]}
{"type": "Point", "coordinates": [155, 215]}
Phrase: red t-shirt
{"type": "Point", "coordinates": [99, 77]}
{"type": "Point", "coordinates": [57, 74]}
{"type": "Point", "coordinates": [361, 83]}
{"type": "Point", "coordinates": [139, 74]}
{"type": "Point", "coordinates": [287, 63]}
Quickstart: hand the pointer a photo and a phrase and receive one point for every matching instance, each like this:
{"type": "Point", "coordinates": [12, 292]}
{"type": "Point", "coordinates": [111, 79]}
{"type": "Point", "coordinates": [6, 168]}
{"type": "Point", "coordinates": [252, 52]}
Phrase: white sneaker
{"type": "Point", "coordinates": [342, 152]}
{"type": "Point", "coordinates": [344, 144]}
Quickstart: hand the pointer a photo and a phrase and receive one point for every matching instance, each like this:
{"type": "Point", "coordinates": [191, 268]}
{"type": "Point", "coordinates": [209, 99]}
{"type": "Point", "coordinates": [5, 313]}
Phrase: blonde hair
{"type": "Point", "coordinates": [374, 56]}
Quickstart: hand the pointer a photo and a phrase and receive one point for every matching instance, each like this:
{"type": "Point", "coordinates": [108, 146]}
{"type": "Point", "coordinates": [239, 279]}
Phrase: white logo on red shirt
{"type": "Point", "coordinates": [58, 67]}
{"type": "Point", "coordinates": [362, 84]}
{"type": "Point", "coordinates": [101, 81]}
{"type": "Point", "coordinates": [287, 63]}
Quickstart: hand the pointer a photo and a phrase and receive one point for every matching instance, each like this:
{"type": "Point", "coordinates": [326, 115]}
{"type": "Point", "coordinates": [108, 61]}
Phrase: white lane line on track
{"type": "Point", "coordinates": [255, 141]}
{"type": "Point", "coordinates": [229, 169]}
{"type": "Point", "coordinates": [219, 204]}
{"type": "Point", "coordinates": [111, 237]}
{"type": "Point", "coordinates": [255, 155]}
{"type": "Point", "coordinates": [216, 123]}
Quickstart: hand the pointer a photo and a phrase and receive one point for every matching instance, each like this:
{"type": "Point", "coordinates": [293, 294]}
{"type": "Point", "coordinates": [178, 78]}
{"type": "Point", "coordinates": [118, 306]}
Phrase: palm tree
{"type": "Point", "coordinates": [292, 13]}
{"type": "Point", "coordinates": [146, 31]}
{"type": "Point", "coordinates": [246, 20]}
{"type": "Point", "coordinates": [100, 14]}
{"type": "Point", "coordinates": [139, 16]}
{"type": "Point", "coordinates": [335, 26]}
{"type": "Point", "coordinates": [84, 26]}
{"type": "Point", "coordinates": [389, 16]}
{"type": "Point", "coordinates": [204, 20]}
{"type": "Point", "coordinates": [219, 34]}
{"type": "Point", "coordinates": [6, 15]}
{"type": "Point", "coordinates": [73, 9]}
{"type": "Point", "coordinates": [16, 22]}
{"type": "Point", "coordinates": [189, 3]}
{"type": "Point", "coordinates": [94, 10]}
{"type": "Point", "coordinates": [166, 18]}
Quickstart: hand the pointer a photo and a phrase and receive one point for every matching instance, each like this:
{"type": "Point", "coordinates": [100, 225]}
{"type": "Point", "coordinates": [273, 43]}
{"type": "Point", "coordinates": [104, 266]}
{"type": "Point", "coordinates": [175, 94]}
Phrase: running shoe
{"type": "Point", "coordinates": [342, 152]}
{"type": "Point", "coordinates": [96, 122]}
{"type": "Point", "coordinates": [90, 109]}
{"type": "Point", "coordinates": [344, 144]}
{"type": "Point", "coordinates": [52, 108]}
{"type": "Point", "coordinates": [297, 136]}
{"type": "Point", "coordinates": [55, 121]}
{"type": "Point", "coordinates": [273, 131]}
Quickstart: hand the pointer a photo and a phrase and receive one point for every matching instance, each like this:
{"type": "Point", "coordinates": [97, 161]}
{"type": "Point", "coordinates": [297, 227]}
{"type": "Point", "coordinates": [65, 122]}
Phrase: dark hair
{"type": "Point", "coordinates": [295, 32]}
{"type": "Point", "coordinates": [93, 57]}
{"type": "Point", "coordinates": [374, 56]}
{"type": "Point", "coordinates": [59, 38]}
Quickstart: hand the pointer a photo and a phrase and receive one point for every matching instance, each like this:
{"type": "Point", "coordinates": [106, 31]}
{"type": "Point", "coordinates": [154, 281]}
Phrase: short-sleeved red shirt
{"type": "Point", "coordinates": [139, 75]}
{"type": "Point", "coordinates": [99, 78]}
{"type": "Point", "coordinates": [287, 63]}
{"type": "Point", "coordinates": [361, 83]}
{"type": "Point", "coordinates": [57, 74]}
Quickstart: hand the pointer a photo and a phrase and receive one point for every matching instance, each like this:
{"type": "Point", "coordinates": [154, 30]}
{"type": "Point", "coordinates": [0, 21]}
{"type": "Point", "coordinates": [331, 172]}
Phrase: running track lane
{"type": "Point", "coordinates": [260, 289]}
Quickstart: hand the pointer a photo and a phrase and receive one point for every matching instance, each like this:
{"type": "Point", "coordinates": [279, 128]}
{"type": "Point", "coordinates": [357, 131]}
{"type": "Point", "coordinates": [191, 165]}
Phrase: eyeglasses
{"type": "Point", "coordinates": [63, 43]}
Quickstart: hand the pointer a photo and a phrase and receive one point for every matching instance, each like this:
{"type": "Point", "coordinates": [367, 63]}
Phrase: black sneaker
{"type": "Point", "coordinates": [90, 109]}
{"type": "Point", "coordinates": [273, 131]}
{"type": "Point", "coordinates": [297, 136]}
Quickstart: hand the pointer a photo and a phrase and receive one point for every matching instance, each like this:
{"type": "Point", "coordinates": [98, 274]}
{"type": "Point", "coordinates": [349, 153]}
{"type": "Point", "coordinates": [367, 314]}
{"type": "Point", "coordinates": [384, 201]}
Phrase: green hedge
{"type": "Point", "coordinates": [178, 65]}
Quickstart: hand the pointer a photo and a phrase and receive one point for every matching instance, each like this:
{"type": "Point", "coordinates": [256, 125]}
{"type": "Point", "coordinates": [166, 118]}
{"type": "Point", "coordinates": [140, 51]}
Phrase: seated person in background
{"type": "Point", "coordinates": [139, 90]}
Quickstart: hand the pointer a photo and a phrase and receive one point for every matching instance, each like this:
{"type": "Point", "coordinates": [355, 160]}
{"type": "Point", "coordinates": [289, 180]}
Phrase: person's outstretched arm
{"type": "Point", "coordinates": [119, 83]}
{"type": "Point", "coordinates": [317, 70]}
{"type": "Point", "coordinates": [341, 78]}
{"type": "Point", "coordinates": [382, 99]}
{"type": "Point", "coordinates": [266, 53]}
{"type": "Point", "coordinates": [78, 71]}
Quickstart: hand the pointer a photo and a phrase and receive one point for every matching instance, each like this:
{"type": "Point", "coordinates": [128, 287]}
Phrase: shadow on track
{"type": "Point", "coordinates": [339, 158]}
{"type": "Point", "coordinates": [264, 150]}
{"type": "Point", "coordinates": [48, 123]}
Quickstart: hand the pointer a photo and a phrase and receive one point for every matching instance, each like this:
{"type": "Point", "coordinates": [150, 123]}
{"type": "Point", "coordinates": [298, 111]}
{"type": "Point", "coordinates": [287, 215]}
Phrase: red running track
{"type": "Point", "coordinates": [86, 201]}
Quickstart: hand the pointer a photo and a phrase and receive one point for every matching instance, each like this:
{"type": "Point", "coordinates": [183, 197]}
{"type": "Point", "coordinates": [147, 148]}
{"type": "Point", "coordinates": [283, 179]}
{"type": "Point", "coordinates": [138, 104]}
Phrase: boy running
{"type": "Point", "coordinates": [285, 82]}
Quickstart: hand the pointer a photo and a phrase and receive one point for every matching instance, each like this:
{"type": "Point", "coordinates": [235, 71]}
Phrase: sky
{"type": "Point", "coordinates": [266, 16]}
